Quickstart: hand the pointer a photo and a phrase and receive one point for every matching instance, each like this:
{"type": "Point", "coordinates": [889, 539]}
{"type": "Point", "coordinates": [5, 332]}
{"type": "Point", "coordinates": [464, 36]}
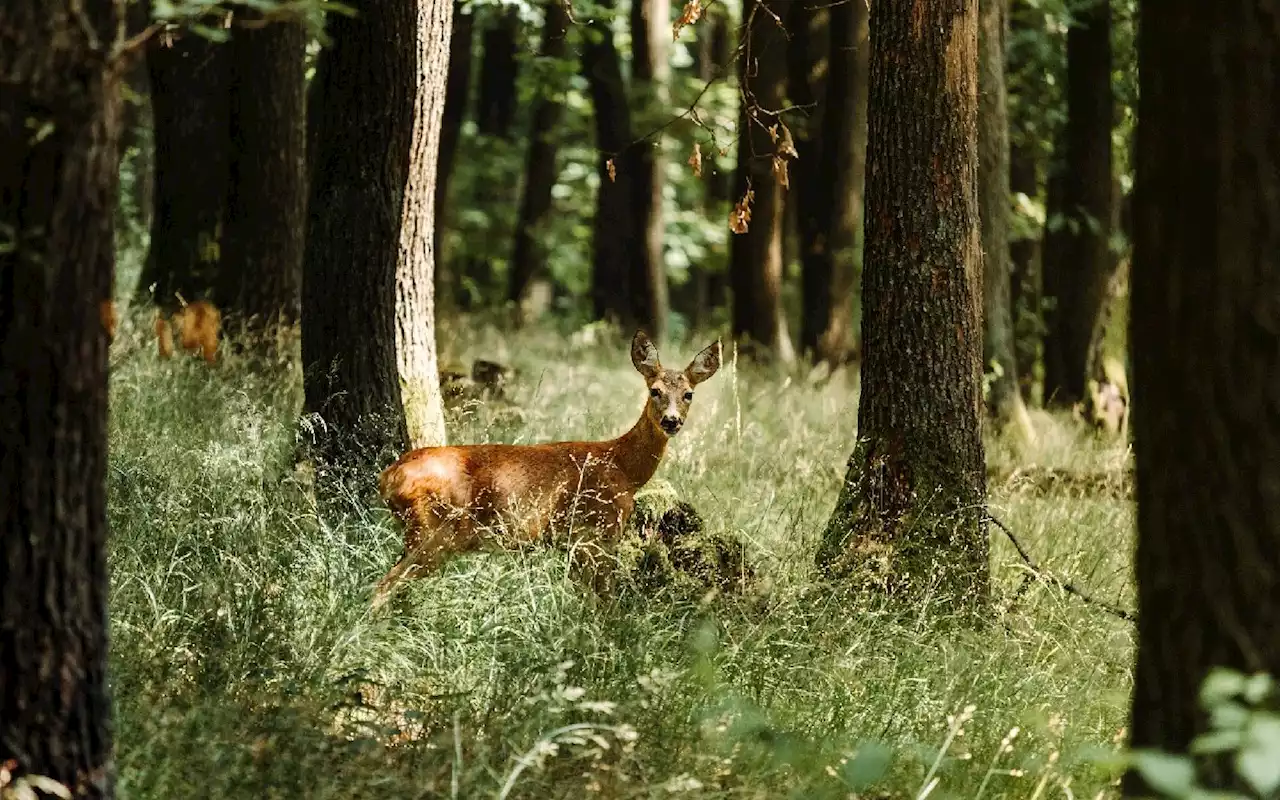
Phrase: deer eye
{"type": "Point", "coordinates": [688, 396]}
{"type": "Point", "coordinates": [655, 394]}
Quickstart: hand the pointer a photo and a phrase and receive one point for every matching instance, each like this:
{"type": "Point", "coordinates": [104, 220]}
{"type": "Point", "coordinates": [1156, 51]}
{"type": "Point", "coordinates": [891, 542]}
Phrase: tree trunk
{"type": "Point", "coordinates": [1206, 276]}
{"type": "Point", "coordinates": [756, 264]}
{"type": "Point", "coordinates": [650, 75]}
{"type": "Point", "coordinates": [1024, 277]}
{"type": "Point", "coordinates": [415, 275]}
{"type": "Point", "coordinates": [260, 278]}
{"type": "Point", "coordinates": [456, 95]}
{"type": "Point", "coordinates": [58, 194]}
{"type": "Point", "coordinates": [190, 104]}
{"type": "Point", "coordinates": [359, 169]}
{"type": "Point", "coordinates": [529, 258]}
{"type": "Point", "coordinates": [1004, 402]}
{"type": "Point", "coordinates": [620, 265]}
{"type": "Point", "coordinates": [496, 104]}
{"type": "Point", "coordinates": [910, 516]}
{"type": "Point", "coordinates": [1077, 259]}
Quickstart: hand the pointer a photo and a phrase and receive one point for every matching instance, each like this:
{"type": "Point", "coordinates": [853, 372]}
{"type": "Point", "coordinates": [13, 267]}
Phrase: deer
{"type": "Point", "coordinates": [449, 500]}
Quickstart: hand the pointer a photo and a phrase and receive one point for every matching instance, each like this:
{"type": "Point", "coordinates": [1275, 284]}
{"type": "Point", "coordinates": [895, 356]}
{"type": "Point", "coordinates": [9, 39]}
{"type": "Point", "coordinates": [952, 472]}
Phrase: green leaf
{"type": "Point", "coordinates": [1219, 686]}
{"type": "Point", "coordinates": [1228, 715]}
{"type": "Point", "coordinates": [868, 766]}
{"type": "Point", "coordinates": [1257, 688]}
{"type": "Point", "coordinates": [1258, 761]}
{"type": "Point", "coordinates": [1221, 741]}
{"type": "Point", "coordinates": [1167, 774]}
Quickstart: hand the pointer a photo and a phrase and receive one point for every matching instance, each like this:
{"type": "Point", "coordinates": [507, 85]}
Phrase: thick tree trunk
{"type": "Point", "coordinates": [359, 170]}
{"type": "Point", "coordinates": [190, 104]}
{"type": "Point", "coordinates": [260, 277]}
{"type": "Point", "coordinates": [1024, 277]}
{"type": "Point", "coordinates": [496, 103]}
{"type": "Point", "coordinates": [58, 194]}
{"type": "Point", "coordinates": [1206, 276]}
{"type": "Point", "coordinates": [650, 75]}
{"type": "Point", "coordinates": [1004, 403]}
{"type": "Point", "coordinates": [756, 264]}
{"type": "Point", "coordinates": [1077, 259]}
{"type": "Point", "coordinates": [415, 276]}
{"type": "Point", "coordinates": [529, 258]}
{"type": "Point", "coordinates": [456, 95]}
{"type": "Point", "coordinates": [910, 515]}
{"type": "Point", "coordinates": [620, 265]}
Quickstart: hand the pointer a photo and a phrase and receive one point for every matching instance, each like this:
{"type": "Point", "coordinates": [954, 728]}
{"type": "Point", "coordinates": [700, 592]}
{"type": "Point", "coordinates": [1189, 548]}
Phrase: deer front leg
{"type": "Point", "coordinates": [431, 536]}
{"type": "Point", "coordinates": [593, 558]}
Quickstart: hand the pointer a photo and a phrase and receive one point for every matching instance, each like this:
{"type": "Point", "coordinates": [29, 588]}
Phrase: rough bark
{"type": "Point", "coordinates": [260, 277]}
{"type": "Point", "coordinates": [620, 264]}
{"type": "Point", "coordinates": [529, 257]}
{"type": "Point", "coordinates": [1004, 401]}
{"type": "Point", "coordinates": [190, 105]}
{"type": "Point", "coordinates": [415, 276]}
{"type": "Point", "coordinates": [650, 75]}
{"type": "Point", "coordinates": [359, 168]}
{"type": "Point", "coordinates": [496, 103]}
{"type": "Point", "coordinates": [58, 194]}
{"type": "Point", "coordinates": [1204, 327]}
{"type": "Point", "coordinates": [456, 95]}
{"type": "Point", "coordinates": [910, 515]}
{"type": "Point", "coordinates": [756, 264]}
{"type": "Point", "coordinates": [1078, 263]}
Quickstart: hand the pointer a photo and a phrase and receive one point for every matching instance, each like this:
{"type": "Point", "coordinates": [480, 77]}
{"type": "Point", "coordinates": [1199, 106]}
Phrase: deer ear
{"type": "Point", "coordinates": [644, 356]}
{"type": "Point", "coordinates": [704, 364]}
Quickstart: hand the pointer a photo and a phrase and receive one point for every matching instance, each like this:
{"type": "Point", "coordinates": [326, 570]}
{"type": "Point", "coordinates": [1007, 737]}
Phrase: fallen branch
{"type": "Point", "coordinates": [1054, 580]}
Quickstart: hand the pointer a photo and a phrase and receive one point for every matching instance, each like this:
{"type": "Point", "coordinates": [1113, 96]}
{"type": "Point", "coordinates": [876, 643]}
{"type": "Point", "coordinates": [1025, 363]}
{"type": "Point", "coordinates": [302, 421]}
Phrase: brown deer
{"type": "Point", "coordinates": [198, 326]}
{"type": "Point", "coordinates": [452, 500]}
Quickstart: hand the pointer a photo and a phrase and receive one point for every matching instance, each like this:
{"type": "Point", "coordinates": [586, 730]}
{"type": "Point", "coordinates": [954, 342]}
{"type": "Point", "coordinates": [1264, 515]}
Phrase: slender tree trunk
{"type": "Point", "coordinates": [529, 259]}
{"type": "Point", "coordinates": [1206, 278]}
{"type": "Point", "coordinates": [362, 130]}
{"type": "Point", "coordinates": [756, 264]}
{"type": "Point", "coordinates": [190, 104]}
{"type": "Point", "coordinates": [1077, 260]}
{"type": "Point", "coordinates": [910, 515]}
{"type": "Point", "coordinates": [415, 276]}
{"type": "Point", "coordinates": [619, 261]}
{"type": "Point", "coordinates": [58, 194]}
{"type": "Point", "coordinates": [496, 104]}
{"type": "Point", "coordinates": [456, 95]}
{"type": "Point", "coordinates": [1004, 403]}
{"type": "Point", "coordinates": [650, 75]}
{"type": "Point", "coordinates": [260, 278]}
{"type": "Point", "coordinates": [1024, 277]}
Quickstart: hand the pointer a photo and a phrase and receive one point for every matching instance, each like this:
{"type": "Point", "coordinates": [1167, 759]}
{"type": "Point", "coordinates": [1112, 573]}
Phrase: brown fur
{"type": "Point", "coordinates": [452, 499]}
{"type": "Point", "coordinates": [198, 325]}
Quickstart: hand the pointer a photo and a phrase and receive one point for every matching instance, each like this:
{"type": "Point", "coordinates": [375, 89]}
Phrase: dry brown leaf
{"type": "Point", "coordinates": [613, 170]}
{"type": "Point", "coordinates": [740, 216]}
{"type": "Point", "coordinates": [695, 160]}
{"type": "Point", "coordinates": [773, 132]}
{"type": "Point", "coordinates": [787, 145]}
{"type": "Point", "coordinates": [691, 13]}
{"type": "Point", "coordinates": [780, 172]}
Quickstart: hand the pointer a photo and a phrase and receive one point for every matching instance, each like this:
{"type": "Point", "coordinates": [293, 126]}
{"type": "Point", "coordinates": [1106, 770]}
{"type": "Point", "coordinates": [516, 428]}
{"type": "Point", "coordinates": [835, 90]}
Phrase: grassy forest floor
{"type": "Point", "coordinates": [243, 648]}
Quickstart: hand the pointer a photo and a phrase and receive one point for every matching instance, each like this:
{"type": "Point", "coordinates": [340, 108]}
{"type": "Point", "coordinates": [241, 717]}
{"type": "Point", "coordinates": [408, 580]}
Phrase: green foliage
{"type": "Point", "coordinates": [245, 663]}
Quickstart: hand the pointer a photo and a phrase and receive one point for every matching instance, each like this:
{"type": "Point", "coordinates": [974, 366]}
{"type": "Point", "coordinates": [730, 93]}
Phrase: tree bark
{"type": "Point", "coordinates": [1078, 262]}
{"type": "Point", "coordinates": [1205, 280]}
{"type": "Point", "coordinates": [456, 94]}
{"type": "Point", "coordinates": [541, 169]}
{"type": "Point", "coordinates": [496, 104]}
{"type": "Point", "coordinates": [756, 264]}
{"type": "Point", "coordinates": [359, 170]}
{"type": "Point", "coordinates": [415, 276]}
{"type": "Point", "coordinates": [58, 195]}
{"type": "Point", "coordinates": [620, 264]}
{"type": "Point", "coordinates": [1004, 402]}
{"type": "Point", "coordinates": [910, 515]}
{"type": "Point", "coordinates": [260, 278]}
{"type": "Point", "coordinates": [191, 107]}
{"type": "Point", "coordinates": [650, 75]}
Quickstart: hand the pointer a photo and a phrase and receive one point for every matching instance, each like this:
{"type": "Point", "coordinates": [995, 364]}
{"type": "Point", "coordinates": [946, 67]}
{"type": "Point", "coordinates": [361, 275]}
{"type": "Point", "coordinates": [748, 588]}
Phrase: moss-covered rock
{"type": "Point", "coordinates": [667, 545]}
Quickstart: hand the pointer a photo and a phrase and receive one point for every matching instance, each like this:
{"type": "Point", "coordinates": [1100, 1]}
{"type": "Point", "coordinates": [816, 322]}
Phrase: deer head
{"type": "Point", "coordinates": [671, 390]}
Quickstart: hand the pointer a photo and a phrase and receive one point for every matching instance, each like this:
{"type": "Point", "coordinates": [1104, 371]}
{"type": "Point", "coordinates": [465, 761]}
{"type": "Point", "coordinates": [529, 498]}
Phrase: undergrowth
{"type": "Point", "coordinates": [245, 662]}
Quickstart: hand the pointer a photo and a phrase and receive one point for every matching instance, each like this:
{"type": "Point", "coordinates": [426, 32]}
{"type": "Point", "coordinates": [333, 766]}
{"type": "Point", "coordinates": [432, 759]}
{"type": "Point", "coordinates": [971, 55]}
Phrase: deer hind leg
{"type": "Point", "coordinates": [432, 534]}
{"type": "Point", "coordinates": [593, 560]}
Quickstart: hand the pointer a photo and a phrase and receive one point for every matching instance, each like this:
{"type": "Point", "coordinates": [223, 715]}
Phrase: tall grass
{"type": "Point", "coordinates": [245, 662]}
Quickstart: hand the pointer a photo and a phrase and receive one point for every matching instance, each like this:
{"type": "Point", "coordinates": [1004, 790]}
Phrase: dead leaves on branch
{"type": "Point", "coordinates": [612, 169]}
{"type": "Point", "coordinates": [692, 13]}
{"type": "Point", "coordinates": [783, 153]}
{"type": "Point", "coordinates": [740, 216]}
{"type": "Point", "coordinates": [695, 160]}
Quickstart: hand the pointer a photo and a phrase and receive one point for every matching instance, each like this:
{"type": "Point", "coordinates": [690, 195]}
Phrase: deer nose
{"type": "Point", "coordinates": [671, 424]}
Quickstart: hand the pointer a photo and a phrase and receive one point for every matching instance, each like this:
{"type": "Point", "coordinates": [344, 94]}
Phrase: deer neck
{"type": "Point", "coordinates": [639, 451]}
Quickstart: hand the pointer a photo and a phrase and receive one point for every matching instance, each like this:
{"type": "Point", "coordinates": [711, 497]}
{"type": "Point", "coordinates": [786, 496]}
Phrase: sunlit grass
{"type": "Point", "coordinates": [243, 644]}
